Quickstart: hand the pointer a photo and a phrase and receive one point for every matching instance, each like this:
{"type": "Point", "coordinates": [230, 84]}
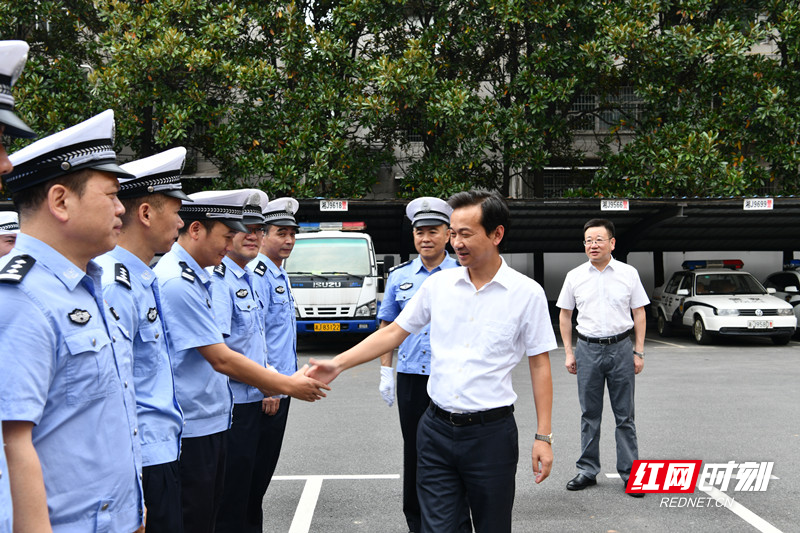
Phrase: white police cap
{"type": "Point", "coordinates": [160, 173]}
{"type": "Point", "coordinates": [428, 211]}
{"type": "Point", "coordinates": [280, 212]}
{"type": "Point", "coordinates": [223, 206]}
{"type": "Point", "coordinates": [89, 144]}
{"type": "Point", "coordinates": [13, 55]}
{"type": "Point", "coordinates": [253, 210]}
{"type": "Point", "coordinates": [9, 222]}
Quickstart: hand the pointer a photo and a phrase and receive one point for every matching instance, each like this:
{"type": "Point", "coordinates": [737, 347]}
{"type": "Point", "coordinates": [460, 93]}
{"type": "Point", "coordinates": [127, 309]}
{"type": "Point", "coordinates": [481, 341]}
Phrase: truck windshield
{"type": "Point", "coordinates": [329, 256]}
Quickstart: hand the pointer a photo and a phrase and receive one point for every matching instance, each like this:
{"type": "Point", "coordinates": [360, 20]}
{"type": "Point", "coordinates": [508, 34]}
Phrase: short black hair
{"type": "Point", "coordinates": [494, 209]}
{"type": "Point", "coordinates": [207, 223]}
{"type": "Point", "coordinates": [30, 199]}
{"type": "Point", "coordinates": [601, 222]}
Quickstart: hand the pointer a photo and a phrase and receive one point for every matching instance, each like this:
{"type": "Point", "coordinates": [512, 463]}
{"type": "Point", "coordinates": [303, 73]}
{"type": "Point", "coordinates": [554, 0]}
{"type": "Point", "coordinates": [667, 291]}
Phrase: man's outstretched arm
{"type": "Point", "coordinates": [377, 344]}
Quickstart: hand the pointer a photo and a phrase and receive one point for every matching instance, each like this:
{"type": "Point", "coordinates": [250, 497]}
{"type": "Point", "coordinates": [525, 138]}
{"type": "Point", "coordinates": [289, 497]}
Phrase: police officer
{"type": "Point", "coordinates": [9, 227]}
{"type": "Point", "coordinates": [430, 219]}
{"type": "Point", "coordinates": [274, 290]}
{"type": "Point", "coordinates": [13, 55]}
{"type": "Point", "coordinates": [149, 226]}
{"type": "Point", "coordinates": [201, 360]}
{"type": "Point", "coordinates": [66, 392]}
{"type": "Point", "coordinates": [238, 311]}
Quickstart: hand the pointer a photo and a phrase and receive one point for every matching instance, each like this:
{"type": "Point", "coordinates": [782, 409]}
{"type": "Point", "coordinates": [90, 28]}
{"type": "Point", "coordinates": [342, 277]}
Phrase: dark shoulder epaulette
{"type": "Point", "coordinates": [401, 265]}
{"type": "Point", "coordinates": [261, 268]}
{"type": "Point", "coordinates": [187, 273]}
{"type": "Point", "coordinates": [121, 275]}
{"type": "Point", "coordinates": [16, 268]}
{"type": "Point", "coordinates": [220, 269]}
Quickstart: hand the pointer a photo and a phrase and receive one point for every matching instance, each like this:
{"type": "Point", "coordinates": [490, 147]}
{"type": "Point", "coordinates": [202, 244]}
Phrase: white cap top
{"type": "Point", "coordinates": [428, 211]}
{"type": "Point", "coordinates": [9, 222]}
{"type": "Point", "coordinates": [159, 173]}
{"type": "Point", "coordinates": [280, 212]}
{"type": "Point", "coordinates": [254, 207]}
{"type": "Point", "coordinates": [89, 144]}
{"type": "Point", "coordinates": [225, 206]}
{"type": "Point", "coordinates": [13, 55]}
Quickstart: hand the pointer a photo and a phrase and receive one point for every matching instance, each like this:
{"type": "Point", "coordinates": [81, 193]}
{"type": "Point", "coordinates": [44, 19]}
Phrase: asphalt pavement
{"type": "Point", "coordinates": [736, 400]}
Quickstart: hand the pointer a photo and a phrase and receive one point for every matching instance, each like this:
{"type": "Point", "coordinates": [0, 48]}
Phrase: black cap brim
{"type": "Point", "coordinates": [235, 225]}
{"type": "Point", "coordinates": [429, 222]}
{"type": "Point", "coordinates": [14, 127]}
{"type": "Point", "coordinates": [177, 193]}
{"type": "Point", "coordinates": [113, 168]}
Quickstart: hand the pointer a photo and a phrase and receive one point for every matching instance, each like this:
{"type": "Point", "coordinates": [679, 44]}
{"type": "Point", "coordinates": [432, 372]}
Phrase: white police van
{"type": "Point", "coordinates": [717, 298]}
{"type": "Point", "coordinates": [335, 279]}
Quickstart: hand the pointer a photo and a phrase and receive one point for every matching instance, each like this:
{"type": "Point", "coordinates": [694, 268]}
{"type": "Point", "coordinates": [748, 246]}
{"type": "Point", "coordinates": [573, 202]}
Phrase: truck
{"type": "Point", "coordinates": [335, 279]}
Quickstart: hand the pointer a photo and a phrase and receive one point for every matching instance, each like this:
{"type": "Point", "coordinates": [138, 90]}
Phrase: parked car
{"type": "Point", "coordinates": [787, 285]}
{"type": "Point", "coordinates": [717, 298]}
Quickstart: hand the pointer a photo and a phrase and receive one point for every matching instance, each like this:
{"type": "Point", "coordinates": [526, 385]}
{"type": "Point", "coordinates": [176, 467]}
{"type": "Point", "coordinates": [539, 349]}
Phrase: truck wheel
{"type": "Point", "coordinates": [663, 325]}
{"type": "Point", "coordinates": [699, 331]}
{"type": "Point", "coordinates": [781, 340]}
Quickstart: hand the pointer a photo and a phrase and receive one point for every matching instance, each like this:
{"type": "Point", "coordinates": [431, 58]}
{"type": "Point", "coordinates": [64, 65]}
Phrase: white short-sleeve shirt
{"type": "Point", "coordinates": [604, 299]}
{"type": "Point", "coordinates": [478, 335]}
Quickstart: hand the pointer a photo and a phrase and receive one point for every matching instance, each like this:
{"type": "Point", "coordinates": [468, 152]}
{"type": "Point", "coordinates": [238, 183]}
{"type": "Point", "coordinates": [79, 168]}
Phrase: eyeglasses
{"type": "Point", "coordinates": [598, 242]}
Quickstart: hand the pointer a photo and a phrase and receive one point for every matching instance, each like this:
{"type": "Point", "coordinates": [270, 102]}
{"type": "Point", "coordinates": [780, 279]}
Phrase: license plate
{"type": "Point", "coordinates": [759, 324]}
{"type": "Point", "coordinates": [328, 327]}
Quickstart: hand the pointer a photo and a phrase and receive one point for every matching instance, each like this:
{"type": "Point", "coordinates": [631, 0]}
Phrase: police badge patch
{"type": "Point", "coordinates": [405, 286]}
{"type": "Point", "coordinates": [79, 316]}
{"type": "Point", "coordinates": [280, 289]}
{"type": "Point", "coordinates": [241, 293]}
{"type": "Point", "coordinates": [152, 314]}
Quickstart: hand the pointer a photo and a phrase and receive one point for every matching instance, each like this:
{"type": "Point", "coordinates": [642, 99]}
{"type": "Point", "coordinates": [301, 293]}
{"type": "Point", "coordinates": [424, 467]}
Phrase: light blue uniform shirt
{"type": "Point", "coordinates": [238, 313]}
{"type": "Point", "coordinates": [414, 354]}
{"type": "Point", "coordinates": [203, 393]}
{"type": "Point", "coordinates": [6, 511]}
{"type": "Point", "coordinates": [274, 291]}
{"type": "Point", "coordinates": [63, 369]}
{"type": "Point", "coordinates": [131, 289]}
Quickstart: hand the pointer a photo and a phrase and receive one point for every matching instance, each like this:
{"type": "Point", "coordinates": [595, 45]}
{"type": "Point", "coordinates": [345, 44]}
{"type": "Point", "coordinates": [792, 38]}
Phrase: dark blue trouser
{"type": "Point", "coordinates": [202, 467]}
{"type": "Point", "coordinates": [162, 497]}
{"type": "Point", "coordinates": [478, 462]}
{"type": "Point", "coordinates": [600, 366]}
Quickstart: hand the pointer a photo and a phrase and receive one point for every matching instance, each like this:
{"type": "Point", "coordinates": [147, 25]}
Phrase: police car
{"type": "Point", "coordinates": [717, 298]}
{"type": "Point", "coordinates": [787, 285]}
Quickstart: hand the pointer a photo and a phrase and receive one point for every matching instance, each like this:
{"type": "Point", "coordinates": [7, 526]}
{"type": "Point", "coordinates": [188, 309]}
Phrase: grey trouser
{"type": "Point", "coordinates": [600, 365]}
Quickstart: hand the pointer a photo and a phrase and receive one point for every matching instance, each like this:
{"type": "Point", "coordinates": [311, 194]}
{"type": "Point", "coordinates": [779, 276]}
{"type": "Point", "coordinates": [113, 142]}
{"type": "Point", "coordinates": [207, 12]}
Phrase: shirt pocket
{"type": "Point", "coordinates": [146, 361]}
{"type": "Point", "coordinates": [497, 338]}
{"type": "Point", "coordinates": [91, 371]}
{"type": "Point", "coordinates": [244, 319]}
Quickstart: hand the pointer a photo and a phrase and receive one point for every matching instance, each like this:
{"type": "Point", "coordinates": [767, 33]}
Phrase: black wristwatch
{"type": "Point", "coordinates": [638, 354]}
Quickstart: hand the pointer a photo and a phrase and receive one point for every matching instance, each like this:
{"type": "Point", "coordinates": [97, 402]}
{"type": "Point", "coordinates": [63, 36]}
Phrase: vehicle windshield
{"type": "Point", "coordinates": [329, 256]}
{"type": "Point", "coordinates": [733, 283]}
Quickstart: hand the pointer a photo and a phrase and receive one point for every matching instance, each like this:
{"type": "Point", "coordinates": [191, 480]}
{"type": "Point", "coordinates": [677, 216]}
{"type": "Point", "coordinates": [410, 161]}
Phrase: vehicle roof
{"type": "Point", "coordinates": [333, 234]}
{"type": "Point", "coordinates": [717, 271]}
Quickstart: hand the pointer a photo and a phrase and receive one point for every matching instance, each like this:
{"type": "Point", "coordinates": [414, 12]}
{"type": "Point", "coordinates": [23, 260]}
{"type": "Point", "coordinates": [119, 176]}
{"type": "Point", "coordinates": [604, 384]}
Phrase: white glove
{"type": "Point", "coordinates": [386, 387]}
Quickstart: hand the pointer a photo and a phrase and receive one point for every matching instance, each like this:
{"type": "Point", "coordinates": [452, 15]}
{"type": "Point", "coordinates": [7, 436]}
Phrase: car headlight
{"type": "Point", "coordinates": [367, 309]}
{"type": "Point", "coordinates": [785, 312]}
{"type": "Point", "coordinates": [727, 312]}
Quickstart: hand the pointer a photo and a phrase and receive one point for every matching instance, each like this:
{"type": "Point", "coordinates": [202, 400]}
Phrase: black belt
{"type": "Point", "coordinates": [469, 419]}
{"type": "Point", "coordinates": [605, 340]}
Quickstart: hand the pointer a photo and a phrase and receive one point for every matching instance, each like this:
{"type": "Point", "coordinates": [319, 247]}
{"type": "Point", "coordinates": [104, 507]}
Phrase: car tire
{"type": "Point", "coordinates": [701, 336]}
{"type": "Point", "coordinates": [781, 340]}
{"type": "Point", "coordinates": [663, 325]}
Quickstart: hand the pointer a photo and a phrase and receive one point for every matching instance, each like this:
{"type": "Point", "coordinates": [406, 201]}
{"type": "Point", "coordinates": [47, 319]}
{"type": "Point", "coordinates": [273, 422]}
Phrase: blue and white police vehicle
{"type": "Point", "coordinates": [718, 298]}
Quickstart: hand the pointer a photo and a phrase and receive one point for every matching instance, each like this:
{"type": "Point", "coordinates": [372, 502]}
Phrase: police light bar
{"type": "Point", "coordinates": [794, 264]}
{"type": "Point", "coordinates": [733, 264]}
{"type": "Point", "coordinates": [310, 227]}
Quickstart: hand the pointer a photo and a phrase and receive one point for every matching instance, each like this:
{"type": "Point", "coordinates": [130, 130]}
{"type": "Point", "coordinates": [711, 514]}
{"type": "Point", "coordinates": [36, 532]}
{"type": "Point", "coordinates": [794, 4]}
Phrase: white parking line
{"type": "Point", "coordinates": [665, 342]}
{"type": "Point", "coordinates": [735, 507]}
{"type": "Point", "coordinates": [301, 523]}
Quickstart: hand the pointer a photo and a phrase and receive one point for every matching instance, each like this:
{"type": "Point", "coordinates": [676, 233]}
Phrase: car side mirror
{"type": "Point", "coordinates": [771, 290]}
{"type": "Point", "coordinates": [791, 288]}
{"type": "Point", "coordinates": [683, 292]}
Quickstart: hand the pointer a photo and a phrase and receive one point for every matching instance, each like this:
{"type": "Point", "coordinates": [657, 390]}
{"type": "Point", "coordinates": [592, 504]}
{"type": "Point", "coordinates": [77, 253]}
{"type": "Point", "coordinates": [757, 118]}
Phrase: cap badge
{"type": "Point", "coordinates": [280, 289]}
{"type": "Point", "coordinates": [152, 314]}
{"type": "Point", "coordinates": [241, 293]}
{"type": "Point", "coordinates": [79, 316]}
{"type": "Point", "coordinates": [405, 286]}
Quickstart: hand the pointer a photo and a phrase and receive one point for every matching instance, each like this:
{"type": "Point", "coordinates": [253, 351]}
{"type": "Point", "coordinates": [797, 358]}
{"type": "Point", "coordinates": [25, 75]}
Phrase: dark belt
{"type": "Point", "coordinates": [605, 340]}
{"type": "Point", "coordinates": [469, 419]}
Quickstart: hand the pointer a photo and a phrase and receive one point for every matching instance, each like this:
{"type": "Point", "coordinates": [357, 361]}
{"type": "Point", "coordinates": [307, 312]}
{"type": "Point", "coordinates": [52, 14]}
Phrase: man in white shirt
{"type": "Point", "coordinates": [483, 318]}
{"type": "Point", "coordinates": [610, 300]}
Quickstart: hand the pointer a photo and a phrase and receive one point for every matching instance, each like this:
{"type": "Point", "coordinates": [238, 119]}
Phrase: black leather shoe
{"type": "Point", "coordinates": [580, 482]}
{"type": "Point", "coordinates": [635, 494]}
